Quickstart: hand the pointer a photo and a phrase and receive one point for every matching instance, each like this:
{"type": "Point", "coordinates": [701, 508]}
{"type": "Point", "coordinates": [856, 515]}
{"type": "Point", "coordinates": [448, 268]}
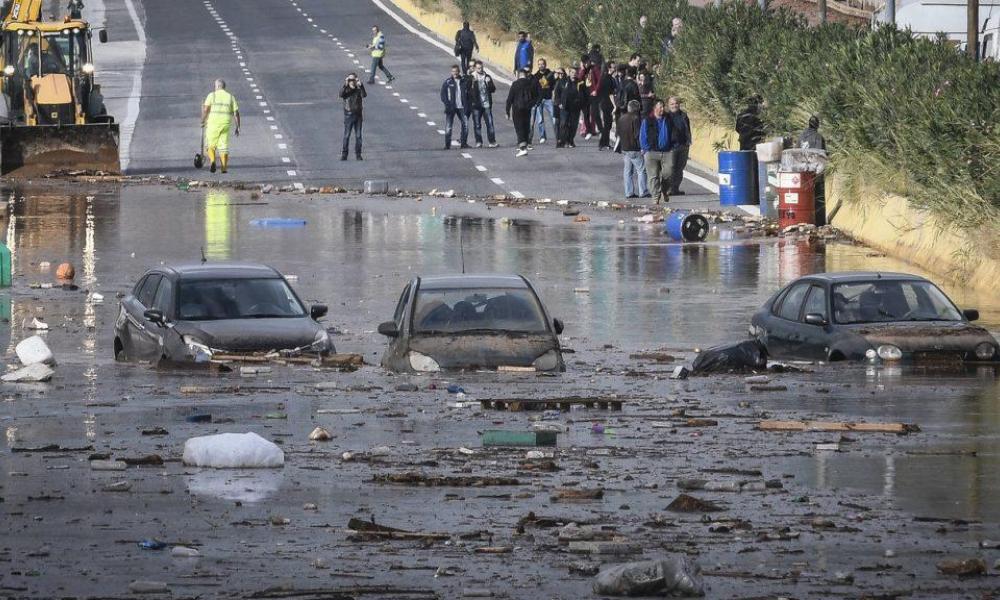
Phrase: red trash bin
{"type": "Point", "coordinates": [796, 198]}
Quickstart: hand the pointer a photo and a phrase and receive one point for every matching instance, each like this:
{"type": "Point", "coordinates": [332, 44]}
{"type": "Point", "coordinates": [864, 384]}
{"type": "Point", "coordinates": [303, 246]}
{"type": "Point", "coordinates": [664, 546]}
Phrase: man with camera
{"type": "Point", "coordinates": [353, 95]}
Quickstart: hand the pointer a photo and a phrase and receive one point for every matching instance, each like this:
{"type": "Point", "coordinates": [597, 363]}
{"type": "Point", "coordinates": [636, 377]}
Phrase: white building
{"type": "Point", "coordinates": [928, 18]}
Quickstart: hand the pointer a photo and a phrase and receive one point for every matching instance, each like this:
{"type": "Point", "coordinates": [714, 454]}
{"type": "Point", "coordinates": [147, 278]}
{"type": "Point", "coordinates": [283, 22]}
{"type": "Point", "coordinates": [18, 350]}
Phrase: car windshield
{"type": "Point", "coordinates": [478, 309]}
{"type": "Point", "coordinates": [215, 299]}
{"type": "Point", "coordinates": [891, 301]}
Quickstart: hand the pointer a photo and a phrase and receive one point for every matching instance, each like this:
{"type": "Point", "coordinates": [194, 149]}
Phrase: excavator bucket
{"type": "Point", "coordinates": [33, 151]}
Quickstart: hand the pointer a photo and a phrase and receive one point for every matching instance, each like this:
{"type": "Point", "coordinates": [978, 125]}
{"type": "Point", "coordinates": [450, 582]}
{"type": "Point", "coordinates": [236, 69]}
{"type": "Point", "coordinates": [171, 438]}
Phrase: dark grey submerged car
{"type": "Point", "coordinates": [471, 322]}
{"type": "Point", "coordinates": [191, 312]}
{"type": "Point", "coordinates": [870, 316]}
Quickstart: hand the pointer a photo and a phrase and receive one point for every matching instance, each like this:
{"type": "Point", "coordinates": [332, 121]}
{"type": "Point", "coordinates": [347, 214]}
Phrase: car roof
{"type": "Point", "coordinates": [221, 270]}
{"type": "Point", "coordinates": [462, 281]}
{"type": "Point", "coordinates": [861, 276]}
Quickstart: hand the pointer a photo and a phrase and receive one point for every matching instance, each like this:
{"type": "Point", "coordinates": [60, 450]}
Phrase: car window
{"type": "Point", "coordinates": [792, 304]}
{"type": "Point", "coordinates": [138, 286]}
{"type": "Point", "coordinates": [778, 299]}
{"type": "Point", "coordinates": [884, 301]}
{"type": "Point", "coordinates": [213, 299]}
{"type": "Point", "coordinates": [164, 296]}
{"type": "Point", "coordinates": [468, 309]}
{"type": "Point", "coordinates": [148, 291]}
{"type": "Point", "coordinates": [816, 302]}
{"type": "Point", "coordinates": [401, 305]}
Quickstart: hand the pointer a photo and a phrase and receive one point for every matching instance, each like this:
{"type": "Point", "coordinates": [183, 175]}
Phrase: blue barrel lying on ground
{"type": "Point", "coordinates": [737, 177]}
{"type": "Point", "coordinates": [684, 226]}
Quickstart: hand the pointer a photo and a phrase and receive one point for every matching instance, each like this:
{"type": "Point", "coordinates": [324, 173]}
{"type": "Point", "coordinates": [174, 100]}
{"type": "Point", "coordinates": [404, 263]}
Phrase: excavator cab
{"type": "Point", "coordinates": [56, 118]}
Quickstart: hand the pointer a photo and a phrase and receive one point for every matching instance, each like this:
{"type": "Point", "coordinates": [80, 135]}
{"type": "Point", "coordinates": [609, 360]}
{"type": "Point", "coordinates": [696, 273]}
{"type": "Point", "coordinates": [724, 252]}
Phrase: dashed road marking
{"type": "Point", "coordinates": [481, 168]}
{"type": "Point", "coordinates": [496, 180]}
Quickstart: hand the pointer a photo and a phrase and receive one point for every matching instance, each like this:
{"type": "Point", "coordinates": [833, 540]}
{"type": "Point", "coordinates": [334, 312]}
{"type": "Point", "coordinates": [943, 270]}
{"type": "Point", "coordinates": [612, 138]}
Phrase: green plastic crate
{"type": "Point", "coordinates": [502, 437]}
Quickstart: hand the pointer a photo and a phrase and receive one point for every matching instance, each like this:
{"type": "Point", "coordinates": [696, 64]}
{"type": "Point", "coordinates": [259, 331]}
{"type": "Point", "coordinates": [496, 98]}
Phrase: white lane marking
{"type": "Point", "coordinates": [278, 136]}
{"type": "Point", "coordinates": [404, 100]}
{"type": "Point", "coordinates": [431, 123]}
{"type": "Point", "coordinates": [466, 155]}
{"type": "Point", "coordinates": [285, 159]}
{"type": "Point", "coordinates": [481, 168]}
{"type": "Point", "coordinates": [395, 93]}
{"type": "Point", "coordinates": [282, 146]}
{"type": "Point", "coordinates": [496, 180]}
{"type": "Point", "coordinates": [517, 194]}
{"type": "Point", "coordinates": [291, 173]}
{"type": "Point", "coordinates": [708, 184]}
{"type": "Point", "coordinates": [298, 186]}
{"type": "Point", "coordinates": [440, 131]}
{"type": "Point", "coordinates": [132, 107]}
{"type": "Point", "coordinates": [421, 115]}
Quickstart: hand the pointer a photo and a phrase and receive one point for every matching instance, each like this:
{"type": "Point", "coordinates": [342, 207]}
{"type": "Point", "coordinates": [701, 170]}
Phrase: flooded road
{"type": "Point", "coordinates": [897, 504]}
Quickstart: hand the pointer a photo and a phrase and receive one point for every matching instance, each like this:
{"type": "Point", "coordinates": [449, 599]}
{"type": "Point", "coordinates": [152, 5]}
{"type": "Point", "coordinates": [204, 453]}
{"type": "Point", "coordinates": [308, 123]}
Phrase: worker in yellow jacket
{"type": "Point", "coordinates": [217, 114]}
{"type": "Point", "coordinates": [378, 55]}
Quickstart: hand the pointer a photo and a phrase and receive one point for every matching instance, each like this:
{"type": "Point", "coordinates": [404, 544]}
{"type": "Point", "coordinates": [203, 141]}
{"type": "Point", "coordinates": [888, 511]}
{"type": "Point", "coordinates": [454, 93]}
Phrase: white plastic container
{"type": "Point", "coordinates": [34, 350]}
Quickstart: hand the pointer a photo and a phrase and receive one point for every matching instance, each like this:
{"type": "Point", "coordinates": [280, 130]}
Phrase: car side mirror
{"type": "Point", "coordinates": [816, 319]}
{"type": "Point", "coordinates": [971, 314]}
{"type": "Point", "coordinates": [388, 329]}
{"type": "Point", "coordinates": [103, 36]}
{"type": "Point", "coordinates": [155, 316]}
{"type": "Point", "coordinates": [317, 311]}
{"type": "Point", "coordinates": [557, 325]}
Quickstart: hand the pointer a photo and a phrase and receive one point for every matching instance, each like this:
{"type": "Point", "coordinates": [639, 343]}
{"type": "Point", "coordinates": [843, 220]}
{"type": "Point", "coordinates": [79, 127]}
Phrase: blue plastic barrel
{"type": "Point", "coordinates": [278, 222]}
{"type": "Point", "coordinates": [737, 177]}
{"type": "Point", "coordinates": [684, 226]}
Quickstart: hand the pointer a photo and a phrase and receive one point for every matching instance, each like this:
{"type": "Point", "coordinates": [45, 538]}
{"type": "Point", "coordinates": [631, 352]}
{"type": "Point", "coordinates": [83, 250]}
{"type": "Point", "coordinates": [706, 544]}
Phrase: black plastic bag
{"type": "Point", "coordinates": [733, 358]}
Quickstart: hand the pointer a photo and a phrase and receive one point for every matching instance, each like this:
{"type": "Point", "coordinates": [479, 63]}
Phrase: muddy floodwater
{"type": "Point", "coordinates": [800, 514]}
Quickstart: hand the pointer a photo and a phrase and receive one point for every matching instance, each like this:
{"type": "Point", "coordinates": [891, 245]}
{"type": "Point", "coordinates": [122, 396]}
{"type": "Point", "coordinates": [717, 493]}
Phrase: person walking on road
{"type": "Point", "coordinates": [557, 91]}
{"type": "Point", "coordinates": [217, 114]}
{"type": "Point", "coordinates": [628, 133]}
{"type": "Point", "coordinates": [654, 139]}
{"type": "Point", "coordinates": [546, 83]}
{"type": "Point", "coordinates": [572, 99]}
{"type": "Point", "coordinates": [521, 100]}
{"type": "Point", "coordinates": [377, 47]}
{"type": "Point", "coordinates": [455, 97]}
{"type": "Point", "coordinates": [524, 54]}
{"type": "Point", "coordinates": [680, 142]}
{"type": "Point", "coordinates": [465, 43]}
{"type": "Point", "coordinates": [601, 106]}
{"type": "Point", "coordinates": [481, 90]}
{"type": "Point", "coordinates": [353, 95]}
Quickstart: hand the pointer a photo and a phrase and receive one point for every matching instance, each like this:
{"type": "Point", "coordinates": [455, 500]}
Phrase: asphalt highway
{"type": "Point", "coordinates": [285, 61]}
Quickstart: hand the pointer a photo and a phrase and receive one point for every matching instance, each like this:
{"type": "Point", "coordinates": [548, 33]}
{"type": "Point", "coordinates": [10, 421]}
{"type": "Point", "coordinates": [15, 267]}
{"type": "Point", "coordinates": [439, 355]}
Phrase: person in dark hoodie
{"type": "Point", "coordinates": [353, 94]}
{"type": "Point", "coordinates": [523, 96]}
{"type": "Point", "coordinates": [654, 139]}
{"type": "Point", "coordinates": [601, 106]}
{"type": "Point", "coordinates": [583, 75]}
{"type": "Point", "coordinates": [455, 97]}
{"type": "Point", "coordinates": [572, 99]}
{"type": "Point", "coordinates": [749, 125]}
{"type": "Point", "coordinates": [811, 137]}
{"type": "Point", "coordinates": [465, 44]}
{"type": "Point", "coordinates": [561, 81]}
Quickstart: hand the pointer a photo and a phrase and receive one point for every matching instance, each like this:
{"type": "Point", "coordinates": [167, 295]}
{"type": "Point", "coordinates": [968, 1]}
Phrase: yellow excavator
{"type": "Point", "coordinates": [55, 116]}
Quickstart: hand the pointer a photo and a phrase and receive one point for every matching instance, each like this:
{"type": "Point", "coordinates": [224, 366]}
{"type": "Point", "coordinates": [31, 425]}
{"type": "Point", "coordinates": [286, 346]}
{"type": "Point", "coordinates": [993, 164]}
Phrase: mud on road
{"type": "Point", "coordinates": [645, 466]}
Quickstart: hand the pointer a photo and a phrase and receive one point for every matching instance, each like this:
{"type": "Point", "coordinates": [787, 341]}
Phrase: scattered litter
{"type": "Point", "coordinates": [232, 451]}
{"type": "Point", "coordinates": [674, 576]}
{"type": "Point", "coordinates": [745, 356]}
{"type": "Point", "coordinates": [154, 431]}
{"type": "Point", "coordinates": [34, 350]}
{"type": "Point", "coordinates": [148, 587]}
{"type": "Point", "coordinates": [500, 437]}
{"type": "Point", "coordinates": [686, 503]}
{"type": "Point", "coordinates": [605, 548]}
{"type": "Point", "coordinates": [680, 372]}
{"type": "Point", "coordinates": [320, 435]}
{"type": "Point", "coordinates": [831, 447]}
{"type": "Point", "coordinates": [901, 428]}
{"type": "Point", "coordinates": [96, 298]}
{"type": "Point", "coordinates": [34, 373]}
{"type": "Point", "coordinates": [35, 324]}
{"type": "Point", "coordinates": [581, 290]}
{"type": "Point", "coordinates": [184, 552]}
{"type": "Point", "coordinates": [118, 486]}
{"type": "Point", "coordinates": [199, 418]}
{"type": "Point", "coordinates": [152, 544]}
{"type": "Point", "coordinates": [254, 371]}
{"type": "Point", "coordinates": [107, 465]}
{"type": "Point", "coordinates": [573, 493]}
{"type": "Point", "coordinates": [422, 480]}
{"type": "Point", "coordinates": [969, 567]}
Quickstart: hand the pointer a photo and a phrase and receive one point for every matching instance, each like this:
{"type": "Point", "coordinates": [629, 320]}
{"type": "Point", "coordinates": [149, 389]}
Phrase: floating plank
{"type": "Point", "coordinates": [837, 426]}
{"type": "Point", "coordinates": [500, 437]}
{"type": "Point", "coordinates": [539, 404]}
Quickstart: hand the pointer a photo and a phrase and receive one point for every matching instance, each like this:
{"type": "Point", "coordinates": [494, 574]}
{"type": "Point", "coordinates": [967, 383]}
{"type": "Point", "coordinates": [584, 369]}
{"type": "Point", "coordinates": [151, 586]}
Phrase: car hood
{"type": "Point", "coordinates": [925, 336]}
{"type": "Point", "coordinates": [252, 335]}
{"type": "Point", "coordinates": [488, 351]}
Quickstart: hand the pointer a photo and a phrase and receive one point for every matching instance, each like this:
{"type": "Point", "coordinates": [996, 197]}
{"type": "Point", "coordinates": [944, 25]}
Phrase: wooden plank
{"type": "Point", "coordinates": [837, 426]}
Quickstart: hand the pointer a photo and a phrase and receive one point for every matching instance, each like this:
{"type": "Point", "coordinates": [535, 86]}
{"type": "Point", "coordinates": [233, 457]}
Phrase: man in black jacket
{"type": "Point", "coordinates": [455, 97]}
{"type": "Point", "coordinates": [481, 90]}
{"type": "Point", "coordinates": [353, 95]}
{"type": "Point", "coordinates": [680, 142]}
{"type": "Point", "coordinates": [557, 91]}
{"type": "Point", "coordinates": [465, 43]}
{"type": "Point", "coordinates": [546, 82]}
{"type": "Point", "coordinates": [523, 96]}
{"type": "Point", "coordinates": [572, 99]}
{"type": "Point", "coordinates": [628, 132]}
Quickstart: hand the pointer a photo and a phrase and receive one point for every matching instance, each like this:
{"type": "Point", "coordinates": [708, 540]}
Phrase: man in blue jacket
{"type": "Point", "coordinates": [455, 97]}
{"type": "Point", "coordinates": [524, 54]}
{"type": "Point", "coordinates": [654, 140]}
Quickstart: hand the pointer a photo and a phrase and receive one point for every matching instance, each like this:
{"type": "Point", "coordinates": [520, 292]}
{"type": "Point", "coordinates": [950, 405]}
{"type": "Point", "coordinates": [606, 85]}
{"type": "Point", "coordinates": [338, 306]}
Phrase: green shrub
{"type": "Point", "coordinates": [913, 116]}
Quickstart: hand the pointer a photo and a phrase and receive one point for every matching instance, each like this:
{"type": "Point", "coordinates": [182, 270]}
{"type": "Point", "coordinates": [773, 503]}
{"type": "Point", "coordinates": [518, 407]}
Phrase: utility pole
{"type": "Point", "coordinates": [972, 45]}
{"type": "Point", "coordinates": [822, 11]}
{"type": "Point", "coordinates": [890, 12]}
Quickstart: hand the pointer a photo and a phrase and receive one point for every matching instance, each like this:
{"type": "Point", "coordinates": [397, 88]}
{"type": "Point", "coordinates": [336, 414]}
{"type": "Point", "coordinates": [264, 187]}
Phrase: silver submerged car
{"type": "Point", "coordinates": [471, 322]}
{"type": "Point", "coordinates": [190, 312]}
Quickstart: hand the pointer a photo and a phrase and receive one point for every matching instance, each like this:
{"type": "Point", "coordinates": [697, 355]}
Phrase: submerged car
{"type": "Point", "coordinates": [869, 316]}
{"type": "Point", "coordinates": [190, 312]}
{"type": "Point", "coordinates": [471, 322]}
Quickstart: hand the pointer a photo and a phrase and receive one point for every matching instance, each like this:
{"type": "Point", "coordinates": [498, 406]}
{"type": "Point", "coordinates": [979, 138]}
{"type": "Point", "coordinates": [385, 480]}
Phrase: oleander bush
{"type": "Point", "coordinates": [909, 116]}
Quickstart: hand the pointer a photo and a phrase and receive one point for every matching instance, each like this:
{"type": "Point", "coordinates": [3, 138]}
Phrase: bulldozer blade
{"type": "Point", "coordinates": [33, 151]}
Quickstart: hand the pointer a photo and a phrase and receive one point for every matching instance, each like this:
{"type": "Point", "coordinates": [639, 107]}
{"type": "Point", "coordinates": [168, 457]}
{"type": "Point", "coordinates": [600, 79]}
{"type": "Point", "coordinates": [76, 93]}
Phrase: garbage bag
{"type": "Point", "coordinates": [673, 576]}
{"type": "Point", "coordinates": [232, 451]}
{"type": "Point", "coordinates": [734, 358]}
